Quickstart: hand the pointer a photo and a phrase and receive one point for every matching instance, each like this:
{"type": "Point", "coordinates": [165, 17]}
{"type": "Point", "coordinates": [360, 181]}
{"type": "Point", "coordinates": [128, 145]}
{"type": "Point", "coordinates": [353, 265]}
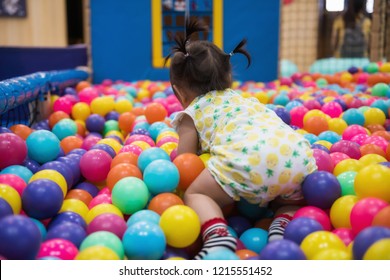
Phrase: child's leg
{"type": "Point", "coordinates": [282, 217]}
{"type": "Point", "coordinates": [207, 198]}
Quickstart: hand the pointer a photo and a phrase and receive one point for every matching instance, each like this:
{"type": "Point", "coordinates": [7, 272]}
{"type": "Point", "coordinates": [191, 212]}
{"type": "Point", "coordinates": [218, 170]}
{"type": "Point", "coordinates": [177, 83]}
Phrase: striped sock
{"type": "Point", "coordinates": [278, 226]}
{"type": "Point", "coordinates": [216, 236]}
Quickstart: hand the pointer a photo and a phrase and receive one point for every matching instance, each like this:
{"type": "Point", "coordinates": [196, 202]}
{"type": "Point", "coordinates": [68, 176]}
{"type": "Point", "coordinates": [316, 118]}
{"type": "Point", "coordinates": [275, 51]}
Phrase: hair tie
{"type": "Point", "coordinates": [231, 53]}
{"type": "Point", "coordinates": [186, 54]}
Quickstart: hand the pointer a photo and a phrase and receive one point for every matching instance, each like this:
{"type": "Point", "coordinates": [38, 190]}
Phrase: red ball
{"type": "Point", "coordinates": [13, 150]}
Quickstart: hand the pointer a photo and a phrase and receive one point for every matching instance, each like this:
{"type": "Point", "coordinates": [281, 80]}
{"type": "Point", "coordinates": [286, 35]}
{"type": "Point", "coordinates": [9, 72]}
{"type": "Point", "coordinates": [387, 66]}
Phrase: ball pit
{"type": "Point", "coordinates": [64, 175]}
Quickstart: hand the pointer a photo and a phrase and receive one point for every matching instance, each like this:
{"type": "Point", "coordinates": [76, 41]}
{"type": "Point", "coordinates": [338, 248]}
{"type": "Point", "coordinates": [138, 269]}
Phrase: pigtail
{"type": "Point", "coordinates": [194, 25]}
{"type": "Point", "coordinates": [240, 49]}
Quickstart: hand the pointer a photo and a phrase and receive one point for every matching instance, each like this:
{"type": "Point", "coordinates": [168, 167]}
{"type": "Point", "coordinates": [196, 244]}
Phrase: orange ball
{"type": "Point", "coordinates": [82, 195]}
{"type": "Point", "coordinates": [23, 131]}
{"type": "Point", "coordinates": [121, 171]}
{"type": "Point", "coordinates": [56, 117]}
{"type": "Point", "coordinates": [162, 201]}
{"type": "Point", "coordinates": [70, 143]}
{"type": "Point", "coordinates": [81, 129]}
{"type": "Point", "coordinates": [316, 124]}
{"type": "Point", "coordinates": [124, 157]}
{"type": "Point", "coordinates": [155, 112]}
{"type": "Point", "coordinates": [371, 149]}
{"type": "Point", "coordinates": [138, 111]}
{"type": "Point", "coordinates": [382, 133]}
{"type": "Point", "coordinates": [375, 127]}
{"type": "Point", "coordinates": [382, 218]}
{"type": "Point", "coordinates": [125, 121]}
{"type": "Point", "coordinates": [82, 85]}
{"type": "Point", "coordinates": [189, 166]}
{"type": "Point", "coordinates": [244, 254]}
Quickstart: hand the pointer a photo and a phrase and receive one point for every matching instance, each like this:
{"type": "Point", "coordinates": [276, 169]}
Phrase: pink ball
{"type": "Point", "coordinates": [353, 130]}
{"type": "Point", "coordinates": [131, 149]}
{"type": "Point", "coordinates": [337, 157]}
{"type": "Point", "coordinates": [89, 142]}
{"type": "Point", "coordinates": [13, 150]}
{"type": "Point", "coordinates": [167, 139]}
{"type": "Point", "coordinates": [349, 148]}
{"type": "Point", "coordinates": [314, 213]}
{"type": "Point", "coordinates": [175, 107]}
{"type": "Point", "coordinates": [63, 104]}
{"type": "Point", "coordinates": [162, 101]}
{"type": "Point", "coordinates": [108, 222]}
{"type": "Point", "coordinates": [173, 154]}
{"type": "Point", "coordinates": [377, 140]}
{"type": "Point", "coordinates": [364, 211]}
{"type": "Point", "coordinates": [140, 137]}
{"type": "Point", "coordinates": [14, 181]}
{"type": "Point", "coordinates": [72, 98]}
{"type": "Point", "coordinates": [312, 104]}
{"type": "Point", "coordinates": [323, 160]}
{"type": "Point", "coordinates": [95, 165]}
{"type": "Point", "coordinates": [60, 248]}
{"type": "Point", "coordinates": [332, 109]}
{"type": "Point", "coordinates": [285, 81]}
{"type": "Point", "coordinates": [356, 103]}
{"type": "Point", "coordinates": [345, 234]}
{"type": "Point", "coordinates": [105, 190]}
{"type": "Point", "coordinates": [362, 78]}
{"type": "Point", "coordinates": [297, 114]}
{"type": "Point", "coordinates": [88, 94]}
{"type": "Point", "coordinates": [360, 138]}
{"type": "Point", "coordinates": [100, 199]}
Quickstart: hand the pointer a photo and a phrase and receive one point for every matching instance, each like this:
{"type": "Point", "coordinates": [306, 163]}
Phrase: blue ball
{"type": "Point", "coordinates": [19, 170]}
{"type": "Point", "coordinates": [239, 224]}
{"type": "Point", "coordinates": [281, 99]}
{"type": "Point", "coordinates": [329, 136]}
{"type": "Point", "coordinates": [161, 176]}
{"type": "Point", "coordinates": [312, 138]}
{"type": "Point", "coordinates": [5, 208]}
{"type": "Point", "coordinates": [382, 105]}
{"type": "Point", "coordinates": [292, 104]}
{"type": "Point", "coordinates": [20, 238]}
{"type": "Point", "coordinates": [299, 228]}
{"type": "Point", "coordinates": [150, 155]}
{"type": "Point", "coordinates": [353, 116]}
{"type": "Point", "coordinates": [42, 199]}
{"type": "Point", "coordinates": [32, 165]}
{"type": "Point", "coordinates": [67, 217]}
{"type": "Point", "coordinates": [144, 241]}
{"type": "Point", "coordinates": [155, 128]}
{"type": "Point", "coordinates": [4, 129]}
{"type": "Point", "coordinates": [104, 147]}
{"type": "Point", "coordinates": [282, 250]}
{"type": "Point", "coordinates": [283, 114]}
{"type": "Point", "coordinates": [77, 151]}
{"type": "Point", "coordinates": [143, 216]}
{"type": "Point", "coordinates": [254, 239]}
{"type": "Point", "coordinates": [68, 231]}
{"type": "Point", "coordinates": [73, 162]}
{"type": "Point", "coordinates": [232, 231]}
{"type": "Point", "coordinates": [142, 124]}
{"type": "Point", "coordinates": [366, 238]}
{"type": "Point", "coordinates": [95, 123]}
{"type": "Point", "coordinates": [43, 146]}
{"type": "Point", "coordinates": [221, 254]}
{"type": "Point", "coordinates": [321, 189]}
{"type": "Point", "coordinates": [65, 128]}
{"type": "Point", "coordinates": [89, 187]}
{"type": "Point", "coordinates": [61, 168]}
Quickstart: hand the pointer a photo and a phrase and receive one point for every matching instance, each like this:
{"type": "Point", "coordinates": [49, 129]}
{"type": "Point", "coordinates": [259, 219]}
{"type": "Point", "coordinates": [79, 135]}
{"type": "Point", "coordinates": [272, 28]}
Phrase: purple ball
{"type": "Point", "coordinates": [174, 252]}
{"type": "Point", "coordinates": [104, 147]}
{"type": "Point", "coordinates": [366, 238]}
{"type": "Point", "coordinates": [67, 217]}
{"type": "Point", "coordinates": [140, 131]}
{"type": "Point", "coordinates": [77, 151]}
{"type": "Point", "coordinates": [113, 115]}
{"type": "Point", "coordinates": [62, 169]}
{"type": "Point", "coordinates": [108, 222]}
{"type": "Point", "coordinates": [282, 250]}
{"type": "Point", "coordinates": [5, 208]}
{"type": "Point", "coordinates": [89, 187]}
{"type": "Point", "coordinates": [95, 123]}
{"type": "Point", "coordinates": [301, 227]}
{"type": "Point", "coordinates": [283, 114]}
{"type": "Point", "coordinates": [68, 231]}
{"type": "Point", "coordinates": [239, 224]}
{"type": "Point", "coordinates": [3, 129]}
{"type": "Point", "coordinates": [320, 147]}
{"type": "Point", "coordinates": [32, 165]}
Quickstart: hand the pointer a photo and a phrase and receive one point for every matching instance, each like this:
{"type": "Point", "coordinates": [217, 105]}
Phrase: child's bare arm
{"type": "Point", "coordinates": [188, 136]}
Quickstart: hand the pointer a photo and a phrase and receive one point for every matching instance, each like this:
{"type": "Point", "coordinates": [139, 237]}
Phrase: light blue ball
{"type": "Point", "coordinates": [65, 128]}
{"type": "Point", "coordinates": [221, 254]}
{"type": "Point", "coordinates": [254, 239]}
{"type": "Point", "coordinates": [18, 170]}
{"type": "Point", "coordinates": [43, 146]}
{"type": "Point", "coordinates": [150, 155]}
{"type": "Point", "coordinates": [144, 241]}
{"type": "Point", "coordinates": [353, 116]}
{"type": "Point", "coordinates": [155, 128]}
{"type": "Point", "coordinates": [143, 124]}
{"type": "Point", "coordinates": [143, 216]}
{"type": "Point", "coordinates": [312, 138]}
{"type": "Point", "coordinates": [161, 176]}
{"type": "Point", "coordinates": [329, 136]}
{"type": "Point", "coordinates": [381, 104]}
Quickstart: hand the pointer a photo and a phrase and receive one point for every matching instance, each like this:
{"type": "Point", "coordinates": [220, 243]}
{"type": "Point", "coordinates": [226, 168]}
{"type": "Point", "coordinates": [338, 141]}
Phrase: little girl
{"type": "Point", "coordinates": [254, 155]}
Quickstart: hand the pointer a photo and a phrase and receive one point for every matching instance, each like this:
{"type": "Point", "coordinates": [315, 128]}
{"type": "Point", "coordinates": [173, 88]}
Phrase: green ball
{"type": "Point", "coordinates": [372, 68]}
{"type": "Point", "coordinates": [321, 82]}
{"type": "Point", "coordinates": [130, 195]}
{"type": "Point", "coordinates": [110, 125]}
{"type": "Point", "coordinates": [346, 180]}
{"type": "Point", "coordinates": [105, 239]}
{"type": "Point", "coordinates": [380, 89]}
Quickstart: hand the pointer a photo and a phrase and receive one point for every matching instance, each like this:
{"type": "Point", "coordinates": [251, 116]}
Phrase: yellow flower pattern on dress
{"type": "Point", "coordinates": [254, 155]}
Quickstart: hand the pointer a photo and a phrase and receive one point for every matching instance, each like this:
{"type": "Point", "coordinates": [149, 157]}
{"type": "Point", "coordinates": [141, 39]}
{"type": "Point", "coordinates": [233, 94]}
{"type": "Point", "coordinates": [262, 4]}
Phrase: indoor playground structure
{"type": "Point", "coordinates": [88, 156]}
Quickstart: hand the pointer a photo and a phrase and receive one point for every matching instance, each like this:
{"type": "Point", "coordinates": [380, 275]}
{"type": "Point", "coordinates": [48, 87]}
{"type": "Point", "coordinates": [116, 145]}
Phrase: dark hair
{"type": "Point", "coordinates": [354, 8]}
{"type": "Point", "coordinates": [200, 65]}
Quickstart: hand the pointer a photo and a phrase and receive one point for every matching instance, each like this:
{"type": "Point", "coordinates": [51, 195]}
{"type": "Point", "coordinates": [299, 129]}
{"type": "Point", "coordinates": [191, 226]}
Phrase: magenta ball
{"type": "Point", "coordinates": [345, 234]}
{"type": "Point", "coordinates": [377, 140]}
{"type": "Point", "coordinates": [360, 138]}
{"type": "Point", "coordinates": [88, 94]}
{"type": "Point", "coordinates": [95, 165]}
{"type": "Point", "coordinates": [323, 160]}
{"type": "Point", "coordinates": [63, 104]}
{"type": "Point", "coordinates": [352, 131]}
{"type": "Point", "coordinates": [13, 150]}
{"type": "Point", "coordinates": [167, 139]}
{"type": "Point", "coordinates": [58, 247]}
{"type": "Point", "coordinates": [100, 199]}
{"type": "Point", "coordinates": [314, 213]}
{"type": "Point", "coordinates": [297, 114]}
{"type": "Point", "coordinates": [108, 222]}
{"type": "Point", "coordinates": [14, 181]}
{"type": "Point", "coordinates": [131, 149]}
{"type": "Point", "coordinates": [332, 109]}
{"type": "Point", "coordinates": [89, 142]}
{"type": "Point", "coordinates": [140, 137]}
{"type": "Point", "coordinates": [349, 148]}
{"type": "Point", "coordinates": [364, 211]}
{"type": "Point", "coordinates": [337, 157]}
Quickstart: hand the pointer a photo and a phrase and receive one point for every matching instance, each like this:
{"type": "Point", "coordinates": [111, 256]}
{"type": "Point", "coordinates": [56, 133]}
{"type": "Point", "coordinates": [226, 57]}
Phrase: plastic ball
{"type": "Point", "coordinates": [323, 160]}
{"type": "Point", "coordinates": [60, 167]}
{"type": "Point", "coordinates": [380, 89]}
{"type": "Point", "coordinates": [366, 238]}
{"type": "Point", "coordinates": [95, 123]}
{"type": "Point", "coordinates": [102, 105]}
{"type": "Point", "coordinates": [321, 189]}
{"type": "Point", "coordinates": [130, 195]}
{"type": "Point", "coordinates": [102, 209]}
{"type": "Point", "coordinates": [239, 224]}
{"type": "Point", "coordinates": [95, 165]}
{"type": "Point", "coordinates": [314, 213]}
{"type": "Point", "coordinates": [81, 195]}
{"type": "Point", "coordinates": [12, 197]}
{"type": "Point", "coordinates": [61, 248]}
{"type": "Point", "coordinates": [349, 164]}
{"type": "Point", "coordinates": [380, 250]}
{"type": "Point", "coordinates": [89, 187]}
{"type": "Point", "coordinates": [315, 124]}
{"type": "Point", "coordinates": [346, 181]}
{"type": "Point", "coordinates": [13, 150]}
{"type": "Point", "coordinates": [329, 136]}
{"type": "Point", "coordinates": [352, 131]}
{"type": "Point", "coordinates": [254, 239]}
{"type": "Point", "coordinates": [221, 254]}
{"type": "Point", "coordinates": [337, 125]}
{"type": "Point", "coordinates": [382, 218]}
{"type": "Point", "coordinates": [67, 217]}
{"type": "Point", "coordinates": [338, 157]}
{"type": "Point", "coordinates": [332, 109]}
{"type": "Point", "coordinates": [282, 250]}
{"type": "Point", "coordinates": [63, 104]}
{"type": "Point", "coordinates": [353, 116]}
{"type": "Point", "coordinates": [155, 112]}
{"type": "Point", "coordinates": [150, 155]}
{"type": "Point", "coordinates": [163, 201]}
{"type": "Point", "coordinates": [43, 146]}
{"type": "Point", "coordinates": [373, 181]}
{"type": "Point", "coordinates": [332, 254]}
{"type": "Point", "coordinates": [32, 165]}
{"type": "Point", "coordinates": [349, 148]}
{"type": "Point", "coordinates": [18, 170]}
{"type": "Point", "coordinates": [340, 211]}
{"type": "Point", "coordinates": [370, 159]}
{"type": "Point", "coordinates": [180, 225]}
{"type": "Point", "coordinates": [5, 208]}
{"type": "Point", "coordinates": [105, 239]}
{"type": "Point", "coordinates": [319, 241]}
{"type": "Point", "coordinates": [108, 222]}
{"type": "Point", "coordinates": [68, 231]}
{"type": "Point", "coordinates": [97, 253]}
{"type": "Point", "coordinates": [23, 131]}
{"type": "Point", "coordinates": [76, 206]}
{"type": "Point", "coordinates": [144, 241]}
{"type": "Point", "coordinates": [20, 238]}
{"type": "Point", "coordinates": [144, 215]}
{"type": "Point", "coordinates": [121, 171]}
{"type": "Point", "coordinates": [189, 167]}
{"type": "Point", "coordinates": [368, 149]}
{"type": "Point", "coordinates": [124, 157]}
{"type": "Point", "coordinates": [52, 175]}
{"type": "Point", "coordinates": [100, 199]}
{"type": "Point", "coordinates": [161, 176]}
{"type": "Point", "coordinates": [345, 234]}
{"type": "Point", "coordinates": [244, 254]}
{"type": "Point", "coordinates": [65, 128]}
{"type": "Point", "coordinates": [14, 181]}
{"type": "Point", "coordinates": [364, 211]}
{"type": "Point", "coordinates": [300, 227]}
{"type": "Point", "coordinates": [374, 116]}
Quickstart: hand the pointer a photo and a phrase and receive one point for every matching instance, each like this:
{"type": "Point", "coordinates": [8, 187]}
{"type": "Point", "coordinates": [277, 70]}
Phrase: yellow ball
{"type": "Point", "coordinates": [374, 116]}
{"type": "Point", "coordinates": [385, 67]}
{"type": "Point", "coordinates": [333, 254]}
{"type": "Point", "coordinates": [337, 125]}
{"type": "Point", "coordinates": [313, 113]}
{"type": "Point", "coordinates": [262, 97]}
{"type": "Point", "coordinates": [319, 241]}
{"type": "Point", "coordinates": [180, 225]}
{"type": "Point", "coordinates": [143, 93]}
{"type": "Point", "coordinates": [341, 210]}
{"type": "Point", "coordinates": [373, 181]}
{"type": "Point", "coordinates": [246, 94]}
{"type": "Point", "coordinates": [328, 99]}
{"type": "Point", "coordinates": [371, 159]}
{"type": "Point", "coordinates": [380, 250]}
{"type": "Point", "coordinates": [324, 143]}
{"type": "Point", "coordinates": [142, 144]}
{"type": "Point", "coordinates": [10, 195]}
{"type": "Point", "coordinates": [168, 147]}
{"type": "Point", "coordinates": [167, 133]}
{"type": "Point", "coordinates": [97, 253]}
{"type": "Point", "coordinates": [346, 77]}
{"type": "Point", "coordinates": [205, 158]}
{"type": "Point", "coordinates": [122, 106]}
{"type": "Point", "coordinates": [52, 175]}
{"type": "Point", "coordinates": [345, 165]}
{"type": "Point", "coordinates": [81, 111]}
{"type": "Point", "coordinates": [75, 206]}
{"type": "Point", "coordinates": [115, 133]}
{"type": "Point", "coordinates": [112, 143]}
{"type": "Point", "coordinates": [102, 209]}
{"type": "Point", "coordinates": [102, 105]}
{"type": "Point", "coordinates": [176, 259]}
